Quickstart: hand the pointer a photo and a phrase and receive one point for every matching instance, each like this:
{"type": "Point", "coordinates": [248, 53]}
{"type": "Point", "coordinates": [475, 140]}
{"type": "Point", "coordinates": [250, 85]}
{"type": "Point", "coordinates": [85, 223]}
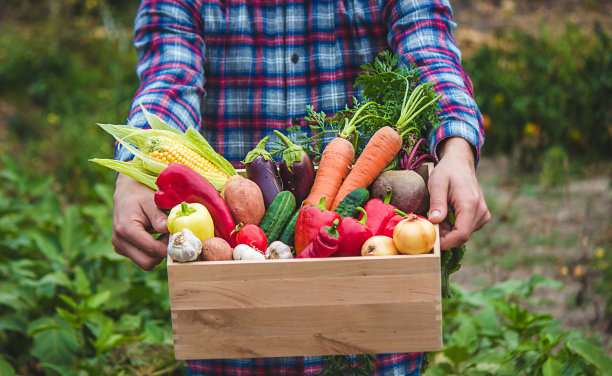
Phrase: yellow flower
{"type": "Point", "coordinates": [575, 135]}
{"type": "Point", "coordinates": [564, 270]}
{"type": "Point", "coordinates": [499, 99]}
{"type": "Point", "coordinates": [531, 129]}
{"type": "Point", "coordinates": [599, 252]}
{"type": "Point", "coordinates": [52, 118]}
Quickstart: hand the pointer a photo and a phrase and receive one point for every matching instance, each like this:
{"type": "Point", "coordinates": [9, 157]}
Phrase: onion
{"type": "Point", "coordinates": [379, 245]}
{"type": "Point", "coordinates": [414, 235]}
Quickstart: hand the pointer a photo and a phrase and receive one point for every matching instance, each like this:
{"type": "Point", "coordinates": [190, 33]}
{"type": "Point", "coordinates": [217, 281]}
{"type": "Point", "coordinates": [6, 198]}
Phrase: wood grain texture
{"type": "Point", "coordinates": [313, 330]}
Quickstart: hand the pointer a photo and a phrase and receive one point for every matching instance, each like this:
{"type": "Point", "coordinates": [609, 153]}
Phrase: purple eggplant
{"type": "Point", "coordinates": [261, 168]}
{"type": "Point", "coordinates": [296, 169]}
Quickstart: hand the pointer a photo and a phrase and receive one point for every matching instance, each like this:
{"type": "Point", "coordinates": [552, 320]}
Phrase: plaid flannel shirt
{"type": "Point", "coordinates": [238, 70]}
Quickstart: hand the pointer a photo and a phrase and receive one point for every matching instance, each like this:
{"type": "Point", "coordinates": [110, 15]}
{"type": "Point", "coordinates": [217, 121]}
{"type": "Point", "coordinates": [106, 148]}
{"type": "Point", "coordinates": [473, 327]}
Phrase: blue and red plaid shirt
{"type": "Point", "coordinates": [238, 70]}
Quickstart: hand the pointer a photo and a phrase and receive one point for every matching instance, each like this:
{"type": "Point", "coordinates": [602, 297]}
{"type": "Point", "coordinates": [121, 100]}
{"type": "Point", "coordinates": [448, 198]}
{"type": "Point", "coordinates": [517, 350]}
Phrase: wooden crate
{"type": "Point", "coordinates": [269, 308]}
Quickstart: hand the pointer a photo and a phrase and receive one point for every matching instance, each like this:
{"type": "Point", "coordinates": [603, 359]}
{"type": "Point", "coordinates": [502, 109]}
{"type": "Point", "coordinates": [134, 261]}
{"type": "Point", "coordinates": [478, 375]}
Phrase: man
{"type": "Point", "coordinates": [239, 70]}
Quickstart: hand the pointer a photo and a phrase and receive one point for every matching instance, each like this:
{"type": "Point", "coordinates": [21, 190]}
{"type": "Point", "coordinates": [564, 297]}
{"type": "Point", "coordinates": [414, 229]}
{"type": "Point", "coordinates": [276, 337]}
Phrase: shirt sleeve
{"type": "Point", "coordinates": [421, 33]}
{"type": "Point", "coordinates": [170, 49]}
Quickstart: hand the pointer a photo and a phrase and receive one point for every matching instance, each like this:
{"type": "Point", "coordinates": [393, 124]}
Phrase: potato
{"type": "Point", "coordinates": [245, 200]}
{"type": "Point", "coordinates": [228, 181]}
{"type": "Point", "coordinates": [216, 249]}
{"type": "Point", "coordinates": [408, 190]}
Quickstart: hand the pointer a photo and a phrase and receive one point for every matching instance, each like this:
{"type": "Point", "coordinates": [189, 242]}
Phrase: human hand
{"type": "Point", "coordinates": [135, 216]}
{"type": "Point", "coordinates": [453, 183]}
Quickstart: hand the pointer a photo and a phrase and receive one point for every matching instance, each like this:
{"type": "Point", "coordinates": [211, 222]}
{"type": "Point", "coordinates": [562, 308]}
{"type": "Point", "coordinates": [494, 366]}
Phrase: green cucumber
{"type": "Point", "coordinates": [347, 207]}
{"type": "Point", "coordinates": [288, 234]}
{"type": "Point", "coordinates": [277, 216]}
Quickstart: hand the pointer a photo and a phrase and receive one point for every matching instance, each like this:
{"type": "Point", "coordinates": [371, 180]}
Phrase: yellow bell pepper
{"type": "Point", "coordinates": [194, 217]}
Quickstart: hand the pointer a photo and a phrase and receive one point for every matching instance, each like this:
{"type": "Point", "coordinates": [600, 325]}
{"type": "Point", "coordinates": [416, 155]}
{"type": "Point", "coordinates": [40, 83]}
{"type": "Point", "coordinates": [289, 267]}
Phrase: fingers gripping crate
{"type": "Point", "coordinates": [269, 308]}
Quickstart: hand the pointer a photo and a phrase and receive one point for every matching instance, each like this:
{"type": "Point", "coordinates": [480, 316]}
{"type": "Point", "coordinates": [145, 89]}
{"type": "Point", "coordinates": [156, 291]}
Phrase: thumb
{"type": "Point", "coordinates": [158, 219]}
{"type": "Point", "coordinates": [438, 204]}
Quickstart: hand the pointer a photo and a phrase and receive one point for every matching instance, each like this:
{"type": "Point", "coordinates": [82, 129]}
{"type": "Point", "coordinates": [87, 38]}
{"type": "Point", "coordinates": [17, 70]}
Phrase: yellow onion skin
{"type": "Point", "coordinates": [414, 235]}
{"type": "Point", "coordinates": [379, 245]}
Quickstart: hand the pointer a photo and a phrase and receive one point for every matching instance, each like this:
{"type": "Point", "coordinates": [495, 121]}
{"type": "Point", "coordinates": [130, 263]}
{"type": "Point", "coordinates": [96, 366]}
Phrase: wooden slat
{"type": "Point", "coordinates": [300, 292]}
{"type": "Point", "coordinates": [324, 330]}
{"type": "Point", "coordinates": [301, 268]}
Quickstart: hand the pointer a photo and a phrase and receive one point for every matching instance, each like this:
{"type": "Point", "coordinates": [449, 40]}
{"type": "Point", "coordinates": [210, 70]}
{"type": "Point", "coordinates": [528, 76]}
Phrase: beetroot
{"type": "Point", "coordinates": [408, 190]}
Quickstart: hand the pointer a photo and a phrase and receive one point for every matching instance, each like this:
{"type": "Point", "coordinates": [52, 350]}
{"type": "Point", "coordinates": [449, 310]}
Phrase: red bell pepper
{"type": "Point", "coordinates": [310, 219]}
{"type": "Point", "coordinates": [178, 183]}
{"type": "Point", "coordinates": [390, 225]}
{"type": "Point", "coordinates": [353, 233]}
{"type": "Point", "coordinates": [379, 212]}
{"type": "Point", "coordinates": [397, 218]}
{"type": "Point", "coordinates": [326, 242]}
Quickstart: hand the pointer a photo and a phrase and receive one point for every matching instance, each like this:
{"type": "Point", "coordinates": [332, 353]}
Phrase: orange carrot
{"type": "Point", "coordinates": [336, 161]}
{"type": "Point", "coordinates": [378, 153]}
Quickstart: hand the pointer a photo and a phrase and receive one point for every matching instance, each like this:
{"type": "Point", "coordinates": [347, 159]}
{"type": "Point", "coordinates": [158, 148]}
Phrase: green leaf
{"type": "Point", "coordinates": [97, 300]}
{"type": "Point", "coordinates": [5, 368]}
{"type": "Point", "coordinates": [592, 354]}
{"type": "Point", "coordinates": [48, 247]}
{"type": "Point", "coordinates": [105, 192]}
{"type": "Point", "coordinates": [69, 301]}
{"type": "Point", "coordinates": [69, 232]}
{"type": "Point", "coordinates": [14, 322]}
{"type": "Point", "coordinates": [128, 322]}
{"type": "Point", "coordinates": [552, 367]}
{"type": "Point", "coordinates": [465, 336]}
{"type": "Point", "coordinates": [457, 354]}
{"type": "Point", "coordinates": [81, 283]}
{"type": "Point", "coordinates": [57, 344]}
{"type": "Point", "coordinates": [102, 249]}
{"type": "Point", "coordinates": [54, 369]}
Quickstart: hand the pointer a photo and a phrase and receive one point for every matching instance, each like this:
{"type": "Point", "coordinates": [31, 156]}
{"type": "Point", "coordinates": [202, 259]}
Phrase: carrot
{"type": "Point", "coordinates": [336, 161]}
{"type": "Point", "coordinates": [382, 147]}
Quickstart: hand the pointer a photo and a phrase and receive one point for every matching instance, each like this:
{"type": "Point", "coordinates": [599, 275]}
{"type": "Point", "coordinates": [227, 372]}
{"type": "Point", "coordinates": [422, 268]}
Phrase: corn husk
{"type": "Point", "coordinates": [146, 168]}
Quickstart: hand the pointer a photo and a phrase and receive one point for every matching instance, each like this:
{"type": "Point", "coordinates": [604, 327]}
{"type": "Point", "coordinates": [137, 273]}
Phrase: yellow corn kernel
{"type": "Point", "coordinates": [167, 150]}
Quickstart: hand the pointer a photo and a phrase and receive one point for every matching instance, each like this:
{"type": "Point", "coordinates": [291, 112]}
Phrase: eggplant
{"type": "Point", "coordinates": [296, 169]}
{"type": "Point", "coordinates": [261, 168]}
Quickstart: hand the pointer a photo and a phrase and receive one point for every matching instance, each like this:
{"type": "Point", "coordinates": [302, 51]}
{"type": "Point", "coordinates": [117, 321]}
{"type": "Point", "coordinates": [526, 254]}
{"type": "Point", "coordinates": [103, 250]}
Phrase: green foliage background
{"type": "Point", "coordinates": [69, 305]}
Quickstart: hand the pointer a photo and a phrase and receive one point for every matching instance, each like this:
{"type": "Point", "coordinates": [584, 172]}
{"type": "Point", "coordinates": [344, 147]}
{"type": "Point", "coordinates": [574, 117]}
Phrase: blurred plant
{"type": "Point", "coordinates": [555, 167]}
{"type": "Point", "coordinates": [58, 80]}
{"type": "Point", "coordinates": [601, 268]}
{"type": "Point", "coordinates": [67, 299]}
{"type": "Point", "coordinates": [489, 332]}
{"type": "Point", "coordinates": [561, 83]}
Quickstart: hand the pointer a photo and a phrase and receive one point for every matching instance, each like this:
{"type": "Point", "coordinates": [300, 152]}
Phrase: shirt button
{"type": "Point", "coordinates": [296, 121]}
{"type": "Point", "coordinates": [295, 58]}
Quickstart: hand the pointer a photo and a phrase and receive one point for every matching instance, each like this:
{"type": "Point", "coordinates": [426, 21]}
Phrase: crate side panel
{"type": "Point", "coordinates": [302, 268]}
{"type": "Point", "coordinates": [325, 330]}
{"type": "Point", "coordinates": [300, 292]}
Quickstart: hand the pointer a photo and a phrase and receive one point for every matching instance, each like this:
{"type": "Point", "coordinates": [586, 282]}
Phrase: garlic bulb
{"type": "Point", "coordinates": [278, 250]}
{"type": "Point", "coordinates": [244, 252]}
{"type": "Point", "coordinates": [184, 246]}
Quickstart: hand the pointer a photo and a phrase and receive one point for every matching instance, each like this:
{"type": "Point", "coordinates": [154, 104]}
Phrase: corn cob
{"type": "Point", "coordinates": [167, 150]}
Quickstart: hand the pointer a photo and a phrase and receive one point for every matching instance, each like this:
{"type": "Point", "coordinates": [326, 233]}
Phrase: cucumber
{"type": "Point", "coordinates": [277, 216]}
{"type": "Point", "coordinates": [347, 207]}
{"type": "Point", "coordinates": [288, 234]}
